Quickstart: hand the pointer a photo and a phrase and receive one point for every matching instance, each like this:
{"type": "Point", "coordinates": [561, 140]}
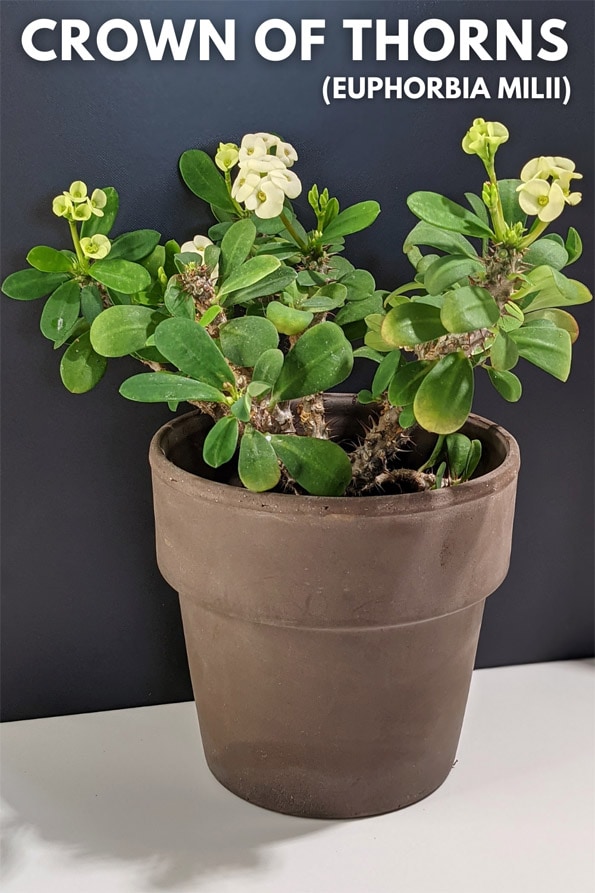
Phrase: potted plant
{"type": "Point", "coordinates": [332, 552]}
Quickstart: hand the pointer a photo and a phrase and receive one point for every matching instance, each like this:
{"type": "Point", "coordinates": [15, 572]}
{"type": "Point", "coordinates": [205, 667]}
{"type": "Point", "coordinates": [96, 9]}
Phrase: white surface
{"type": "Point", "coordinates": [122, 802]}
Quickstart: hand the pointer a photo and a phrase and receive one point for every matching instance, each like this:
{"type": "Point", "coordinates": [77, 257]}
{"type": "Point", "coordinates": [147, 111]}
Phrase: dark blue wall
{"type": "Point", "coordinates": [88, 623]}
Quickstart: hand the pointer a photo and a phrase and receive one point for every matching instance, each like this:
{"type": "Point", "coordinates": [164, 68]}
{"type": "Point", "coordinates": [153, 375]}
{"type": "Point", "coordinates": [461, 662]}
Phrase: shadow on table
{"type": "Point", "coordinates": [133, 789]}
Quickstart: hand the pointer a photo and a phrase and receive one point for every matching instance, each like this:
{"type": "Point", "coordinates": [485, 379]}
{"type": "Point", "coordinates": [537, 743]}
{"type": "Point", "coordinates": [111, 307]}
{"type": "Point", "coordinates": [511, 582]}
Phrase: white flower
{"type": "Point", "coordinates": [561, 170]}
{"type": "Point", "coordinates": [287, 181]}
{"type": "Point", "coordinates": [96, 247]}
{"type": "Point", "coordinates": [252, 146]}
{"type": "Point", "coordinates": [267, 200]}
{"type": "Point", "coordinates": [244, 185]}
{"type": "Point", "coordinates": [286, 153]}
{"type": "Point", "coordinates": [196, 246]}
{"type": "Point", "coordinates": [263, 164]}
{"type": "Point", "coordinates": [539, 198]}
{"type": "Point", "coordinates": [269, 139]}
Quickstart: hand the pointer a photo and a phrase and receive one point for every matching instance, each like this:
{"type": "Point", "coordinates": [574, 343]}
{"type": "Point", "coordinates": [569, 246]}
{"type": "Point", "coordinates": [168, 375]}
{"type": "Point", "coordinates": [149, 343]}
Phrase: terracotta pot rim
{"type": "Point", "coordinates": [288, 504]}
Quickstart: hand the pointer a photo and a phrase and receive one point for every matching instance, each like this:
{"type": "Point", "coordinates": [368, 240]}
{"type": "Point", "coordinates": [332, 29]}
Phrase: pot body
{"type": "Point", "coordinates": [331, 641]}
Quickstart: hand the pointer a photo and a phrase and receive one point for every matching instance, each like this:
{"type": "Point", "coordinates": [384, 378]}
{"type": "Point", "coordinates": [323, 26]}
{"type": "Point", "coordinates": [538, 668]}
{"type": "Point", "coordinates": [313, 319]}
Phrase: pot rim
{"type": "Point", "coordinates": [288, 504]}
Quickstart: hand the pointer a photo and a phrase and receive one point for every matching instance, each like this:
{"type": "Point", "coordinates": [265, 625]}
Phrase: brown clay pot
{"type": "Point", "coordinates": [331, 640]}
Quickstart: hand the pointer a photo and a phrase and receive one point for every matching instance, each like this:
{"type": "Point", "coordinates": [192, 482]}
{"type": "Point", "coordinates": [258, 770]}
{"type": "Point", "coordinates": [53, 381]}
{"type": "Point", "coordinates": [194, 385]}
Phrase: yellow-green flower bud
{"type": "Point", "coordinates": [513, 235]}
{"type": "Point", "coordinates": [96, 247]}
{"type": "Point", "coordinates": [77, 192]}
{"type": "Point", "coordinates": [98, 201]}
{"type": "Point", "coordinates": [82, 211]}
{"type": "Point", "coordinates": [62, 206]}
{"type": "Point", "coordinates": [489, 195]}
{"type": "Point", "coordinates": [483, 139]}
{"type": "Point", "coordinates": [227, 156]}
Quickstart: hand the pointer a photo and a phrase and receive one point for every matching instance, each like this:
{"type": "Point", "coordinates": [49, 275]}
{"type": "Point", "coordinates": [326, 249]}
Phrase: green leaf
{"type": "Point", "coordinates": [321, 467]}
{"type": "Point", "coordinates": [458, 449]}
{"type": "Point", "coordinates": [440, 211]}
{"type": "Point", "coordinates": [473, 459]}
{"type": "Point", "coordinates": [210, 314]}
{"type": "Point", "coordinates": [258, 467]}
{"type": "Point", "coordinates": [546, 252]}
{"type": "Point", "coordinates": [135, 245]}
{"type": "Point", "coordinates": [268, 366]}
{"type": "Point", "coordinates": [49, 260]}
{"type": "Point", "coordinates": [257, 389]}
{"type": "Point", "coordinates": [545, 287]}
{"type": "Point", "coordinates": [559, 318]}
{"type": "Point", "coordinates": [426, 234]}
{"type": "Point", "coordinates": [235, 246]}
{"type": "Point", "coordinates": [28, 285]}
{"type": "Point", "coordinates": [326, 298]}
{"type": "Point", "coordinates": [102, 224]}
{"type": "Point", "coordinates": [548, 348]}
{"type": "Point", "coordinates": [202, 177]}
{"type": "Point", "coordinates": [81, 367]}
{"type": "Point", "coordinates": [513, 213]}
{"type": "Point", "coordinates": [447, 270]}
{"type": "Point", "coordinates": [352, 220]}
{"type": "Point", "coordinates": [61, 310]}
{"type": "Point", "coordinates": [411, 324]}
{"type": "Point", "coordinates": [243, 340]}
{"type": "Point", "coordinates": [359, 284]}
{"type": "Point", "coordinates": [469, 308]}
{"type": "Point", "coordinates": [366, 396]}
{"type": "Point", "coordinates": [123, 329]}
{"type": "Point", "coordinates": [478, 207]}
{"type": "Point", "coordinates": [287, 320]}
{"type": "Point", "coordinates": [68, 335]}
{"type": "Point", "coordinates": [91, 302]}
{"type": "Point", "coordinates": [249, 273]}
{"type": "Point", "coordinates": [406, 382]}
{"type": "Point", "coordinates": [178, 301]}
{"type": "Point", "coordinates": [320, 359]}
{"type": "Point", "coordinates": [191, 349]}
{"type": "Point", "coordinates": [504, 354]}
{"type": "Point", "coordinates": [368, 354]}
{"type": "Point", "coordinates": [356, 310]}
{"type": "Point", "coordinates": [164, 387]}
{"type": "Point", "coordinates": [573, 245]}
{"type": "Point", "coordinates": [122, 275]}
{"type": "Point", "coordinates": [443, 400]}
{"type": "Point", "coordinates": [155, 261]}
{"type": "Point", "coordinates": [407, 417]}
{"type": "Point", "coordinates": [506, 383]}
{"type": "Point", "coordinates": [241, 408]}
{"type": "Point", "coordinates": [385, 372]}
{"type": "Point", "coordinates": [272, 284]}
{"type": "Point", "coordinates": [221, 442]}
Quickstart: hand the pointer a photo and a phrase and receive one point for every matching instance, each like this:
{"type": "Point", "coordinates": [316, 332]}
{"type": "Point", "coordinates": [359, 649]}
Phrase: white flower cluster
{"type": "Point", "coordinates": [264, 178]}
{"type": "Point", "coordinates": [542, 198]}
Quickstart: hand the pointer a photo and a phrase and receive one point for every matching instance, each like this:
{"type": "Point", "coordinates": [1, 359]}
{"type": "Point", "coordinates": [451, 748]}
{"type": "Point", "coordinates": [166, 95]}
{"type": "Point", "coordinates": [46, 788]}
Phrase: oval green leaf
{"type": "Point", "coordinates": [121, 275]}
{"type": "Point", "coordinates": [321, 467]}
{"type": "Point", "coordinates": [445, 214]}
{"type": "Point", "coordinates": [221, 442]}
{"type": "Point", "coordinates": [135, 245]}
{"type": "Point", "coordinates": [469, 308]}
{"type": "Point", "coordinates": [352, 220]}
{"type": "Point", "coordinates": [322, 358]}
{"type": "Point", "coordinates": [123, 329]}
{"type": "Point", "coordinates": [243, 340]}
{"type": "Point", "coordinates": [504, 354]}
{"type": "Point", "coordinates": [28, 285]}
{"type": "Point", "coordinates": [443, 400]}
{"type": "Point", "coordinates": [163, 387]}
{"type": "Point", "coordinates": [406, 382]}
{"type": "Point", "coordinates": [235, 246]}
{"type": "Point", "coordinates": [549, 348]}
{"type": "Point", "coordinates": [249, 273]}
{"type": "Point", "coordinates": [258, 467]}
{"type": "Point", "coordinates": [507, 384]}
{"type": "Point", "coordinates": [49, 260]}
{"type": "Point", "coordinates": [61, 310]}
{"type": "Point", "coordinates": [426, 234]}
{"type": "Point", "coordinates": [191, 349]}
{"type": "Point", "coordinates": [202, 177]}
{"type": "Point", "coordinates": [81, 367]}
{"type": "Point", "coordinates": [268, 366]}
{"type": "Point", "coordinates": [448, 270]}
{"type": "Point", "coordinates": [287, 320]}
{"type": "Point", "coordinates": [412, 323]}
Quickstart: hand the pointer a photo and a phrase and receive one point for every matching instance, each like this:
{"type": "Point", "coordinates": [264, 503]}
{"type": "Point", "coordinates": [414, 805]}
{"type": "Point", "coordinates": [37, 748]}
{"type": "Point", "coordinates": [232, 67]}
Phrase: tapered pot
{"type": "Point", "coordinates": [331, 641]}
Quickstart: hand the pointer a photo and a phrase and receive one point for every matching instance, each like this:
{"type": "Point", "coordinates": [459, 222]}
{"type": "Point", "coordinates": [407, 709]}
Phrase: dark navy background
{"type": "Point", "coordinates": [88, 623]}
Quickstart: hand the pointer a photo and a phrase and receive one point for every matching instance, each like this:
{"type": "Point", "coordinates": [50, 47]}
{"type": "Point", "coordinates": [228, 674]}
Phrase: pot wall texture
{"type": "Point", "coordinates": [88, 622]}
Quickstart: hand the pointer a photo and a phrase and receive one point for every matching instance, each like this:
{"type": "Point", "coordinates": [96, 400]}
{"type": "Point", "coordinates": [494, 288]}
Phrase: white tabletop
{"type": "Point", "coordinates": [122, 801]}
